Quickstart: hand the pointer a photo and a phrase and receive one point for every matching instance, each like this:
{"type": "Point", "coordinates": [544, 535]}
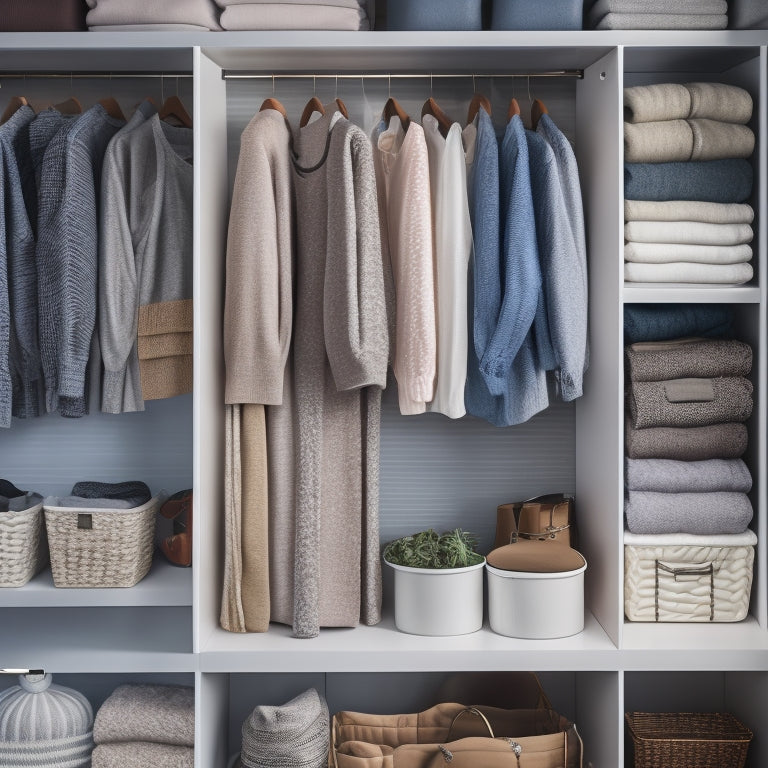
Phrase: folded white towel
{"type": "Point", "coordinates": [355, 4]}
{"type": "Point", "coordinates": [688, 210]}
{"type": "Point", "coordinates": [667, 253]}
{"type": "Point", "coordinates": [677, 272]}
{"type": "Point", "coordinates": [692, 232]}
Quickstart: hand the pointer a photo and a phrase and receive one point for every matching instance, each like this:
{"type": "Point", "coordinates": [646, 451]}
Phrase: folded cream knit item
{"type": "Point", "coordinates": [693, 232]}
{"type": "Point", "coordinates": [690, 402]}
{"type": "Point", "coordinates": [688, 358]}
{"type": "Point", "coordinates": [80, 502]}
{"type": "Point", "coordinates": [666, 253]}
{"type": "Point", "coordinates": [662, 21]}
{"type": "Point", "coordinates": [671, 476]}
{"type": "Point", "coordinates": [699, 513]}
{"type": "Point", "coordinates": [296, 734]}
{"type": "Point", "coordinates": [679, 272]}
{"type": "Point", "coordinates": [688, 210]}
{"type": "Point", "coordinates": [120, 12]}
{"type": "Point", "coordinates": [267, 16]}
{"type": "Point", "coordinates": [149, 28]}
{"type": "Point", "coordinates": [142, 754]}
{"type": "Point", "coordinates": [162, 714]}
{"type": "Point", "coordinates": [664, 141]}
{"type": "Point", "coordinates": [672, 101]}
{"type": "Point", "coordinates": [727, 441]}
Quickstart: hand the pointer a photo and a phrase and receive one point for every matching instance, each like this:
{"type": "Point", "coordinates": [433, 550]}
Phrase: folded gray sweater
{"type": "Point", "coordinates": [688, 358]}
{"type": "Point", "coordinates": [713, 513]}
{"type": "Point", "coordinates": [670, 476]}
{"type": "Point", "coordinates": [728, 441]}
{"type": "Point", "coordinates": [662, 21]}
{"type": "Point", "coordinates": [139, 754]}
{"type": "Point", "coordinates": [690, 402]}
{"type": "Point", "coordinates": [162, 714]}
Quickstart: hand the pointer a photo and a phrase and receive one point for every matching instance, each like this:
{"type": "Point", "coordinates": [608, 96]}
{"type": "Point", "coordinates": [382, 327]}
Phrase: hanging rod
{"type": "Point", "coordinates": [578, 73]}
{"type": "Point", "coordinates": [89, 75]}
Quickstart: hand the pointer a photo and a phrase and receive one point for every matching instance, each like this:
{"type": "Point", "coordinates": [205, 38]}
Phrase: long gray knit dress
{"type": "Point", "coordinates": [340, 362]}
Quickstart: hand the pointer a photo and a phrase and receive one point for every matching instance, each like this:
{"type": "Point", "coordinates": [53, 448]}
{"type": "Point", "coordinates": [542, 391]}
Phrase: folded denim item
{"type": "Point", "coordinates": [688, 210]}
{"type": "Point", "coordinates": [142, 754]}
{"type": "Point", "coordinates": [716, 512]}
{"type": "Point", "coordinates": [682, 272]}
{"type": "Point", "coordinates": [662, 21]}
{"type": "Point", "coordinates": [748, 14]}
{"type": "Point", "coordinates": [690, 402]}
{"type": "Point", "coordinates": [653, 322]}
{"type": "Point", "coordinates": [714, 181]}
{"type": "Point", "coordinates": [277, 16]}
{"type": "Point", "coordinates": [687, 359]}
{"type": "Point", "coordinates": [672, 101]}
{"type": "Point", "coordinates": [668, 253]}
{"type": "Point", "coordinates": [727, 441]}
{"type": "Point", "coordinates": [687, 232]}
{"type": "Point", "coordinates": [665, 141]}
{"type": "Point", "coordinates": [120, 12]}
{"type": "Point", "coordinates": [673, 476]}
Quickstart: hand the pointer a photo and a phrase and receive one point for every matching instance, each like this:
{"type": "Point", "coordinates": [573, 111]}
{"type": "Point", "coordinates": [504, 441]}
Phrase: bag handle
{"type": "Point", "coordinates": [554, 500]}
{"type": "Point", "coordinates": [701, 569]}
{"type": "Point", "coordinates": [470, 711]}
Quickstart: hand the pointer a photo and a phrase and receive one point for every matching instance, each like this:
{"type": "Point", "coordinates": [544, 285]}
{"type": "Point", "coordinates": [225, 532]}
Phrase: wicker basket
{"type": "Point", "coordinates": [685, 740]}
{"type": "Point", "coordinates": [101, 547]}
{"type": "Point", "coordinates": [23, 549]}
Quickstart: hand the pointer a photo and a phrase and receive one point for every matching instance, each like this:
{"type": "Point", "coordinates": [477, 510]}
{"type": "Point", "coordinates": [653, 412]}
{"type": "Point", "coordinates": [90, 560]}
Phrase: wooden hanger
{"type": "Point", "coordinates": [174, 112]}
{"type": "Point", "coordinates": [478, 100]}
{"type": "Point", "coordinates": [271, 103]}
{"type": "Point", "coordinates": [514, 109]}
{"type": "Point", "coordinates": [431, 108]}
{"type": "Point", "coordinates": [69, 107]}
{"type": "Point", "coordinates": [112, 107]}
{"type": "Point", "coordinates": [14, 105]}
{"type": "Point", "coordinates": [315, 105]}
{"type": "Point", "coordinates": [537, 110]}
{"type": "Point", "coordinates": [393, 109]}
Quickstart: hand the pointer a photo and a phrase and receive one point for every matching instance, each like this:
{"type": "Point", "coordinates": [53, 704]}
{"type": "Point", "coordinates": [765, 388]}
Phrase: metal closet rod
{"type": "Point", "coordinates": [89, 75]}
{"type": "Point", "coordinates": [577, 73]}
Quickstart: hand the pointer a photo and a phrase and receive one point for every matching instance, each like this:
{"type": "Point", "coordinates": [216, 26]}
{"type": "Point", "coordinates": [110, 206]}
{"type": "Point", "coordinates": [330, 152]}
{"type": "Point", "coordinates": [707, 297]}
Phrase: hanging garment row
{"type": "Point", "coordinates": [95, 257]}
{"type": "Point", "coordinates": [345, 255]}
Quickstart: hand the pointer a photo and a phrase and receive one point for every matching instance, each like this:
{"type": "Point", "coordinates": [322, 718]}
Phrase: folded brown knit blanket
{"type": "Point", "coordinates": [726, 441]}
{"type": "Point", "coordinates": [142, 754]}
{"type": "Point", "coordinates": [690, 402]}
{"type": "Point", "coordinates": [162, 714]}
{"type": "Point", "coordinates": [688, 358]}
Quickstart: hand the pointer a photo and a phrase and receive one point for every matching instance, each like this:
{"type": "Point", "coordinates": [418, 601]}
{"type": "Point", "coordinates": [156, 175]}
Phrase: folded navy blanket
{"type": "Point", "coordinates": [728, 441]}
{"type": "Point", "coordinates": [670, 476]}
{"type": "Point", "coordinates": [700, 513]}
{"type": "Point", "coordinates": [651, 322]}
{"type": "Point", "coordinates": [713, 181]}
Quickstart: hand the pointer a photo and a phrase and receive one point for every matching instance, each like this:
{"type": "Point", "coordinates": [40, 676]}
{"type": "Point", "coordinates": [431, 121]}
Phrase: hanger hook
{"type": "Point", "coordinates": [430, 85]}
{"type": "Point", "coordinates": [162, 89]}
{"type": "Point", "coordinates": [336, 88]}
{"type": "Point", "coordinates": [273, 83]}
{"type": "Point", "coordinates": [530, 100]}
{"type": "Point", "coordinates": [474, 86]}
{"type": "Point", "coordinates": [314, 85]}
{"type": "Point", "coordinates": [389, 86]}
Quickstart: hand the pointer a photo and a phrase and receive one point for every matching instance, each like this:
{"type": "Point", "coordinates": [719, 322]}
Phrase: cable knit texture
{"type": "Point", "coordinates": [728, 441]}
{"type": "Point", "coordinates": [162, 714]}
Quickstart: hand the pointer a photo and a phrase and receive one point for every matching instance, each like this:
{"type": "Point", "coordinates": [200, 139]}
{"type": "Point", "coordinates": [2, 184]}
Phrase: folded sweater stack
{"type": "Point", "coordinates": [145, 726]}
{"type": "Point", "coordinates": [686, 180]}
{"type": "Point", "coordinates": [688, 399]}
{"type": "Point", "coordinates": [347, 15]}
{"type": "Point", "coordinates": [657, 14]}
{"type": "Point", "coordinates": [140, 16]}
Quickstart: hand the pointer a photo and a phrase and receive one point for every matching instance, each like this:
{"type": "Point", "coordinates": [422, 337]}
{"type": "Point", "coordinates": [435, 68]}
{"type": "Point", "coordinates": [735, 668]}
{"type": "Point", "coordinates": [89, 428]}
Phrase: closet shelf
{"type": "Point", "coordinates": [639, 293]}
{"type": "Point", "coordinates": [164, 585]}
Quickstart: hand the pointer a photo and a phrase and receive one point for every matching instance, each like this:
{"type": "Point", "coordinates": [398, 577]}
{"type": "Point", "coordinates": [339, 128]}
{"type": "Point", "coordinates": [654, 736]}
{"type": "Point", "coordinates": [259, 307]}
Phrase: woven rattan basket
{"type": "Point", "coordinates": [101, 547]}
{"type": "Point", "coordinates": [23, 549]}
{"type": "Point", "coordinates": [688, 740]}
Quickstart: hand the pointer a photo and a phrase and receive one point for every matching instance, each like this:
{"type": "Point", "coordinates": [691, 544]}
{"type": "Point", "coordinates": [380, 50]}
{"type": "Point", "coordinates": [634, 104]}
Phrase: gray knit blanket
{"type": "Point", "coordinates": [690, 402]}
{"type": "Point", "coordinates": [712, 513]}
{"type": "Point", "coordinates": [662, 21]}
{"type": "Point", "coordinates": [670, 476]}
{"type": "Point", "coordinates": [728, 441]}
{"type": "Point", "coordinates": [162, 714]}
{"type": "Point", "coordinates": [688, 358]}
{"type": "Point", "coordinates": [141, 754]}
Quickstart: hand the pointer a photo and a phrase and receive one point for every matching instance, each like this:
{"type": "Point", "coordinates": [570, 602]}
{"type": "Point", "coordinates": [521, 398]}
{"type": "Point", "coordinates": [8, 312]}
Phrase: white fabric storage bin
{"type": "Point", "coordinates": [679, 577]}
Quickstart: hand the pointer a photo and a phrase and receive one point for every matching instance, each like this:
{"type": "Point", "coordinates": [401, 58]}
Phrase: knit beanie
{"type": "Point", "coordinates": [295, 735]}
{"type": "Point", "coordinates": [45, 725]}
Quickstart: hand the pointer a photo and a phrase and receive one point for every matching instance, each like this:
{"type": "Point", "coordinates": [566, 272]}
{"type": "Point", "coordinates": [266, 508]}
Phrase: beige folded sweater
{"type": "Point", "coordinates": [118, 12]}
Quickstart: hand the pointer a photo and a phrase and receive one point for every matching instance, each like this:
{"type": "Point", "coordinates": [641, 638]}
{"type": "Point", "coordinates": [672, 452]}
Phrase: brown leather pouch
{"type": "Point", "coordinates": [544, 517]}
{"type": "Point", "coordinates": [178, 547]}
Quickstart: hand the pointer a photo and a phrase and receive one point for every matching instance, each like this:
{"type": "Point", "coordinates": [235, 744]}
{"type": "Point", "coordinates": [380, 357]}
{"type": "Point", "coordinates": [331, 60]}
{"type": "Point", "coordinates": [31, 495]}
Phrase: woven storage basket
{"type": "Point", "coordinates": [23, 548]}
{"type": "Point", "coordinates": [688, 740]}
{"type": "Point", "coordinates": [101, 547]}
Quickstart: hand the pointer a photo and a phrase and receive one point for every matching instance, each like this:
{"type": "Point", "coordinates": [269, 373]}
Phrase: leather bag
{"type": "Point", "coordinates": [456, 736]}
{"type": "Point", "coordinates": [543, 517]}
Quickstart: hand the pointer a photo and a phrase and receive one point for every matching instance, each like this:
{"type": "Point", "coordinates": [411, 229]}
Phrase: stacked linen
{"type": "Point", "coordinates": [144, 726]}
{"type": "Point", "coordinates": [350, 15]}
{"type": "Point", "coordinates": [658, 14]}
{"type": "Point", "coordinates": [140, 16]}
{"type": "Point", "coordinates": [686, 180]}
{"type": "Point", "coordinates": [693, 396]}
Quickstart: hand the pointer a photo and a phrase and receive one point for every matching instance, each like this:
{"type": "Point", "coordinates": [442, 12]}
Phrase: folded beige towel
{"type": "Point", "coordinates": [666, 141]}
{"type": "Point", "coordinates": [296, 17]}
{"type": "Point", "coordinates": [690, 232]}
{"type": "Point", "coordinates": [681, 272]}
{"type": "Point", "coordinates": [119, 12]}
{"type": "Point", "coordinates": [672, 101]}
{"type": "Point", "coordinates": [688, 210]}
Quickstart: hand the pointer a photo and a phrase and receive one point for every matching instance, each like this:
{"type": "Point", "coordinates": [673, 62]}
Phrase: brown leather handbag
{"type": "Point", "coordinates": [543, 517]}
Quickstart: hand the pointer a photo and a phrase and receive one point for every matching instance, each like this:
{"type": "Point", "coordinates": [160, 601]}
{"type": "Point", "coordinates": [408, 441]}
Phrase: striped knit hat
{"type": "Point", "coordinates": [295, 735]}
{"type": "Point", "coordinates": [44, 725]}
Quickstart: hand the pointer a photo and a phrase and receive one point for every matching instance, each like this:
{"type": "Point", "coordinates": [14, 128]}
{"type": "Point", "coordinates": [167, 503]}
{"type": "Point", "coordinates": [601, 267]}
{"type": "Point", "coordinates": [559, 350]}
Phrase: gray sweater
{"type": "Point", "coordinates": [146, 259]}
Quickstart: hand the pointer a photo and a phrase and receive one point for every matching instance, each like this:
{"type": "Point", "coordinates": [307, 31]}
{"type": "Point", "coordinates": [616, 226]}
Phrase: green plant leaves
{"type": "Point", "coordinates": [428, 549]}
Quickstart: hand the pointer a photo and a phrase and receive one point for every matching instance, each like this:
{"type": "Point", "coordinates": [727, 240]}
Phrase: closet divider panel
{"type": "Point", "coordinates": [746, 697]}
{"type": "Point", "coordinates": [212, 720]}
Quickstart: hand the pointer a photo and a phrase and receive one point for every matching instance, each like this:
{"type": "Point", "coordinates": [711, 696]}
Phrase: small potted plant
{"type": "Point", "coordinates": [438, 583]}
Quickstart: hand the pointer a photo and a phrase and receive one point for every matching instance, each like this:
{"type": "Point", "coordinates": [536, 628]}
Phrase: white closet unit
{"type": "Point", "coordinates": [434, 472]}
